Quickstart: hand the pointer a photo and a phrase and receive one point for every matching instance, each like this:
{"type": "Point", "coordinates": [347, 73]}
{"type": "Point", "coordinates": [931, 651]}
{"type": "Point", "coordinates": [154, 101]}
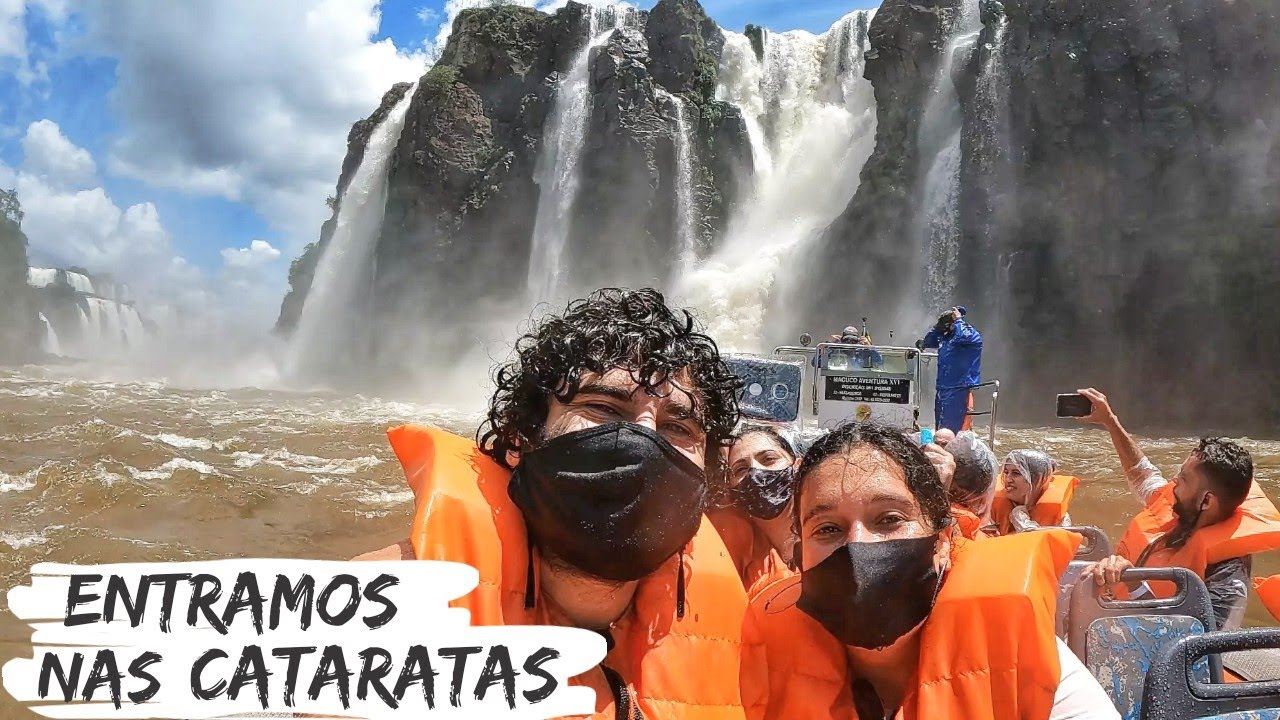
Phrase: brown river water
{"type": "Point", "coordinates": [94, 472]}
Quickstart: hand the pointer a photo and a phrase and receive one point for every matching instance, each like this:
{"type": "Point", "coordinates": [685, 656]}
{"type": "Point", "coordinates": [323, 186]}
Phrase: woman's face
{"type": "Point", "coordinates": [1016, 487]}
{"type": "Point", "coordinates": [756, 450]}
{"type": "Point", "coordinates": [857, 496]}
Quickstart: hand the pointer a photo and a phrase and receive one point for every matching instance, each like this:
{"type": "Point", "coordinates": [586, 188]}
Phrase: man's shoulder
{"type": "Point", "coordinates": [402, 550]}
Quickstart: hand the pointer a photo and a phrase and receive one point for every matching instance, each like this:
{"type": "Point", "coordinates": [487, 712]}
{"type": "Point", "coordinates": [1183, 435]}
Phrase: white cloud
{"type": "Point", "coordinates": [48, 154]}
{"type": "Point", "coordinates": [428, 15]}
{"type": "Point", "coordinates": [258, 253]}
{"type": "Point", "coordinates": [243, 99]}
{"type": "Point", "coordinates": [13, 33]}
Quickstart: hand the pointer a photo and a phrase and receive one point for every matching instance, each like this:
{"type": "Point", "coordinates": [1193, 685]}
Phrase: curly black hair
{"type": "Point", "coordinates": [611, 328]}
{"type": "Point", "coordinates": [1229, 468]}
{"type": "Point", "coordinates": [922, 478]}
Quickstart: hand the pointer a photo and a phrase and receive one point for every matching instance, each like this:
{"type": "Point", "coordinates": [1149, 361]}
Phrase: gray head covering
{"type": "Point", "coordinates": [1035, 466]}
{"type": "Point", "coordinates": [973, 484]}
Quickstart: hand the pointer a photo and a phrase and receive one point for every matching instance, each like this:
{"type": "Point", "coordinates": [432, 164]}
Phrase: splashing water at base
{"type": "Point", "coordinates": [811, 117]}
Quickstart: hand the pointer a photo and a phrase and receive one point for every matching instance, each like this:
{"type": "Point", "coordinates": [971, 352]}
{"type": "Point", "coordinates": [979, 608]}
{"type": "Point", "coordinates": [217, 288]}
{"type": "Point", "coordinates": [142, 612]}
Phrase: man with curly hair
{"type": "Point", "coordinates": [582, 502]}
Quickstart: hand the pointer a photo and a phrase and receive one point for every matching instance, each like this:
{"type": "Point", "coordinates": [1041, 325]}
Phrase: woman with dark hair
{"type": "Point", "coordinates": [895, 615]}
{"type": "Point", "coordinates": [753, 515]}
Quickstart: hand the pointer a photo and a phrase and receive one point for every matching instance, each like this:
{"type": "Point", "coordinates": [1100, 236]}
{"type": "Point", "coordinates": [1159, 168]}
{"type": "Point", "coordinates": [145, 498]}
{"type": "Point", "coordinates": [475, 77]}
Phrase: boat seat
{"type": "Point", "coordinates": [1066, 584]}
{"type": "Point", "coordinates": [1174, 690]}
{"type": "Point", "coordinates": [1117, 639]}
{"type": "Point", "coordinates": [1253, 665]}
{"type": "Point", "coordinates": [1097, 546]}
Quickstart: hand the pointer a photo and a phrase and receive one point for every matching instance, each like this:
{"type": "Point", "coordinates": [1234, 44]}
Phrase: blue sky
{"type": "Point", "coordinates": [191, 145]}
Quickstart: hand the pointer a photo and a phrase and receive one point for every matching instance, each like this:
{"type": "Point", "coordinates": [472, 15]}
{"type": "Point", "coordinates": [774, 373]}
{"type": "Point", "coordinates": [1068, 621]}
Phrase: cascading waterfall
{"type": "Point", "coordinates": [686, 209]}
{"type": "Point", "coordinates": [331, 318]}
{"type": "Point", "coordinates": [937, 227]}
{"type": "Point", "coordinates": [811, 117]}
{"type": "Point", "coordinates": [50, 343]}
{"type": "Point", "coordinates": [557, 172]}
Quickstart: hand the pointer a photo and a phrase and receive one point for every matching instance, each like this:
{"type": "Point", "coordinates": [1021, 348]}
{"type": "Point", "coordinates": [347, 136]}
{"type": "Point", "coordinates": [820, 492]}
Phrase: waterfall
{"type": "Point", "coordinates": [686, 209]}
{"type": "Point", "coordinates": [50, 344]}
{"type": "Point", "coordinates": [79, 283]}
{"type": "Point", "coordinates": [811, 117]}
{"type": "Point", "coordinates": [333, 314]}
{"type": "Point", "coordinates": [557, 172]}
{"type": "Point", "coordinates": [936, 226]}
{"type": "Point", "coordinates": [41, 277]}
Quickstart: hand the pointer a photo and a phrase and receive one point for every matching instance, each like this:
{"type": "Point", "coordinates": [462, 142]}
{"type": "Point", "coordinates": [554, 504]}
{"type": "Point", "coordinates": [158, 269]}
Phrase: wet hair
{"type": "Point", "coordinates": [785, 444]}
{"type": "Point", "coordinates": [611, 328]}
{"type": "Point", "coordinates": [1229, 468]}
{"type": "Point", "coordinates": [922, 478]}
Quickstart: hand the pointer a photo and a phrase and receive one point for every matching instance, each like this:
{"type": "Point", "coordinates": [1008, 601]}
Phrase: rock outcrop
{"type": "Point", "coordinates": [1122, 204]}
{"type": "Point", "coordinates": [19, 328]}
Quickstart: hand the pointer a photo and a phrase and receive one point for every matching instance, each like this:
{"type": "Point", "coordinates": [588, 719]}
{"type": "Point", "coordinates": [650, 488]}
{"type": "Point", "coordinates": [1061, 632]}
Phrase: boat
{"type": "Point", "coordinates": [814, 388]}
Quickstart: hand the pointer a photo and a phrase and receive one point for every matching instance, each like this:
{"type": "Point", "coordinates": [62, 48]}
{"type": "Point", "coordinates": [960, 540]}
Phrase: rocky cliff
{"type": "Point", "coordinates": [1123, 203]}
{"type": "Point", "coordinates": [1117, 205]}
{"type": "Point", "coordinates": [463, 186]}
{"type": "Point", "coordinates": [19, 329]}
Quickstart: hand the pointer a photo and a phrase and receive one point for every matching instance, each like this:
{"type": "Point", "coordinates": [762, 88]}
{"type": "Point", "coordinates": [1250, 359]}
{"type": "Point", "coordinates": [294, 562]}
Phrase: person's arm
{"type": "Point", "coordinates": [1143, 477]}
{"type": "Point", "coordinates": [965, 334]}
{"type": "Point", "coordinates": [1021, 520]}
{"type": "Point", "coordinates": [932, 339]}
{"type": "Point", "coordinates": [1228, 583]}
{"type": "Point", "coordinates": [1079, 696]}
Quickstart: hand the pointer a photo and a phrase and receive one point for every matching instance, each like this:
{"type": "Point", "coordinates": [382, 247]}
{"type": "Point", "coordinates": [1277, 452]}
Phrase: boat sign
{"type": "Point", "coordinates": [852, 388]}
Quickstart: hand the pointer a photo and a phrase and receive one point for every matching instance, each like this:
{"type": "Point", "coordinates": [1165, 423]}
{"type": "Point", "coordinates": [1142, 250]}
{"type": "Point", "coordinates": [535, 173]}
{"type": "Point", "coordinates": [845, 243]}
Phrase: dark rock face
{"type": "Point", "coordinates": [19, 323]}
{"type": "Point", "coordinates": [686, 47]}
{"type": "Point", "coordinates": [864, 255]}
{"type": "Point", "coordinates": [1123, 202]}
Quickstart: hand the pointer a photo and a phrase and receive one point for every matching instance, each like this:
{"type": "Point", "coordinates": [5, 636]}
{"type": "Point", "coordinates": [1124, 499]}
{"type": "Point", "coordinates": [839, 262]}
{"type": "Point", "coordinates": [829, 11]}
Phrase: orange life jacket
{"type": "Point", "coordinates": [758, 563]}
{"type": "Point", "coordinates": [1050, 508]}
{"type": "Point", "coordinates": [969, 523]}
{"type": "Point", "coordinates": [1268, 590]}
{"type": "Point", "coordinates": [674, 668]}
{"type": "Point", "coordinates": [1253, 528]}
{"type": "Point", "coordinates": [987, 652]}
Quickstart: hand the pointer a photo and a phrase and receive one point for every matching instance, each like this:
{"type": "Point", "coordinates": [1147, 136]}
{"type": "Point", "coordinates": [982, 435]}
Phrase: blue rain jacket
{"type": "Point", "coordinates": [959, 366]}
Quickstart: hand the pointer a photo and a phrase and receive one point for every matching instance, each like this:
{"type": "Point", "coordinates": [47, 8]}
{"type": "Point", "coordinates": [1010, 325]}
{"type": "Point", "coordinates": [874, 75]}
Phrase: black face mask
{"type": "Point", "coordinates": [870, 594]}
{"type": "Point", "coordinates": [614, 501]}
{"type": "Point", "coordinates": [764, 493]}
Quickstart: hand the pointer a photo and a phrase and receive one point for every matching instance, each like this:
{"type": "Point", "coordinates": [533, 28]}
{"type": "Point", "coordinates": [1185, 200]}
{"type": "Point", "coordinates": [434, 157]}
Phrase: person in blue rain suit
{"type": "Point", "coordinates": [959, 347]}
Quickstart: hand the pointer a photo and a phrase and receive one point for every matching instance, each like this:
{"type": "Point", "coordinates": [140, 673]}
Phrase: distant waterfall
{"type": "Point", "coordinates": [811, 117]}
{"type": "Point", "coordinates": [50, 343]}
{"type": "Point", "coordinates": [83, 316]}
{"type": "Point", "coordinates": [330, 325]}
{"type": "Point", "coordinates": [557, 172]}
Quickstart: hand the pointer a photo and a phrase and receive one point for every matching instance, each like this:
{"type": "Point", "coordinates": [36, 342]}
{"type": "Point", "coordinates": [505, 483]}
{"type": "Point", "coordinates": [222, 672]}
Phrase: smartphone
{"type": "Point", "coordinates": [1074, 405]}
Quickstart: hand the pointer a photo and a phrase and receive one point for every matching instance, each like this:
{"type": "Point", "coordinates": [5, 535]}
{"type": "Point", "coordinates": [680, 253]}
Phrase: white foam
{"type": "Point", "coordinates": [183, 443]}
{"type": "Point", "coordinates": [20, 483]}
{"type": "Point", "coordinates": [166, 471]}
{"type": "Point", "coordinates": [309, 464]}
